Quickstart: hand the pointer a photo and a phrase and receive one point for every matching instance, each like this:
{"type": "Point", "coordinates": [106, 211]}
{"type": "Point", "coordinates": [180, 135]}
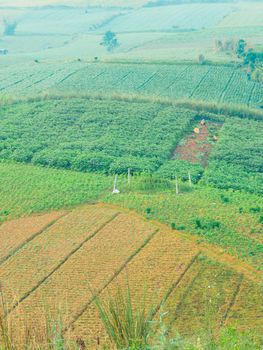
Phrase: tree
{"type": "Point", "coordinates": [110, 41]}
{"type": "Point", "coordinates": [9, 27]}
{"type": "Point", "coordinates": [201, 59]}
{"type": "Point", "coordinates": [241, 48]}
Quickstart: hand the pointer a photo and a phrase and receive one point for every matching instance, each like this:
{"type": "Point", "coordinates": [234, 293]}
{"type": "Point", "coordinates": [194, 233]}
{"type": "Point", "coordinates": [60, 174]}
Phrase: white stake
{"type": "Point", "coordinates": [176, 185]}
{"type": "Point", "coordinates": [115, 190]}
{"type": "Point", "coordinates": [190, 180]}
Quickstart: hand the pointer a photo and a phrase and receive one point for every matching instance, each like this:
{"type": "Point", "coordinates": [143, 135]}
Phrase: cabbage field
{"type": "Point", "coordinates": [176, 81]}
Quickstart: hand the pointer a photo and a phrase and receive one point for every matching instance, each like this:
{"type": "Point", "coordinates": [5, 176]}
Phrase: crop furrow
{"type": "Point", "coordinates": [176, 283]}
{"type": "Point", "coordinates": [200, 82]}
{"type": "Point", "coordinates": [251, 94]}
{"type": "Point", "coordinates": [69, 75]}
{"type": "Point", "coordinates": [62, 262]}
{"type": "Point", "coordinates": [232, 301]}
{"type": "Point", "coordinates": [123, 266]}
{"type": "Point", "coordinates": [146, 81]}
{"type": "Point", "coordinates": [222, 94]}
{"type": "Point", "coordinates": [187, 291]}
{"type": "Point", "coordinates": [20, 246]}
{"type": "Point", "coordinates": [43, 79]}
{"type": "Point", "coordinates": [17, 82]}
{"type": "Point", "coordinates": [169, 87]}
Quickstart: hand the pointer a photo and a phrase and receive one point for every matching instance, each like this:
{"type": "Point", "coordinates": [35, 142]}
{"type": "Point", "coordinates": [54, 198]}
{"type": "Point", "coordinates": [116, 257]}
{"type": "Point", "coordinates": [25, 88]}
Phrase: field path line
{"type": "Point", "coordinates": [210, 250]}
{"type": "Point", "coordinates": [222, 95]}
{"type": "Point", "coordinates": [116, 273]}
{"type": "Point", "coordinates": [62, 262]}
{"type": "Point", "coordinates": [200, 82]}
{"type": "Point", "coordinates": [38, 233]}
{"type": "Point", "coordinates": [232, 301]}
{"type": "Point", "coordinates": [251, 94]}
{"type": "Point", "coordinates": [176, 283]}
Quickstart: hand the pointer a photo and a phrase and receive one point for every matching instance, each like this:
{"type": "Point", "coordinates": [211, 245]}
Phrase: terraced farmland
{"type": "Point", "coordinates": [179, 81]}
{"type": "Point", "coordinates": [14, 234]}
{"type": "Point", "coordinates": [94, 248]}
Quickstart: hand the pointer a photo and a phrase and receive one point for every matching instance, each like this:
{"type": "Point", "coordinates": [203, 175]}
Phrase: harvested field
{"type": "Point", "coordinates": [38, 259]}
{"type": "Point", "coordinates": [91, 268]}
{"type": "Point", "coordinates": [93, 250]}
{"type": "Point", "coordinates": [14, 234]}
{"type": "Point", "coordinates": [154, 271]}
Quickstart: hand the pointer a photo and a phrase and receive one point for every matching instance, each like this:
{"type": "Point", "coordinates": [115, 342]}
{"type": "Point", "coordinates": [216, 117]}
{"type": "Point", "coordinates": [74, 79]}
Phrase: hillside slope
{"type": "Point", "coordinates": [96, 247]}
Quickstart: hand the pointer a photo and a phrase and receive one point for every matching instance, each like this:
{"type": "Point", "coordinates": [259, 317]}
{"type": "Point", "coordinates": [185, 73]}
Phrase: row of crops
{"type": "Point", "coordinates": [167, 18]}
{"type": "Point", "coordinates": [110, 136]}
{"type": "Point", "coordinates": [70, 20]}
{"type": "Point", "coordinates": [89, 135]}
{"type": "Point", "coordinates": [236, 161]}
{"type": "Point", "coordinates": [94, 249]}
{"type": "Point", "coordinates": [174, 81]}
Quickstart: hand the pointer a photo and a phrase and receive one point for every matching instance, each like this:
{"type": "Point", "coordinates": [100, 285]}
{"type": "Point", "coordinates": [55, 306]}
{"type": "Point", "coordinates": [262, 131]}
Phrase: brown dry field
{"type": "Point", "coordinates": [94, 249]}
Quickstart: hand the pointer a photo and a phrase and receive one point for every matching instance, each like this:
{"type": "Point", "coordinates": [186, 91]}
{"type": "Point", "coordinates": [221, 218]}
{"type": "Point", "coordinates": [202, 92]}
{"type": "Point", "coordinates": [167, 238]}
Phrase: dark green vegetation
{"type": "Point", "coordinates": [230, 219]}
{"type": "Point", "coordinates": [236, 161]}
{"type": "Point", "coordinates": [110, 136]}
{"type": "Point", "coordinates": [90, 135]}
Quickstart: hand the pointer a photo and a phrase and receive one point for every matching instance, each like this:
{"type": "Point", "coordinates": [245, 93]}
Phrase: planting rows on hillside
{"type": "Point", "coordinates": [170, 18]}
{"type": "Point", "coordinates": [91, 268]}
{"type": "Point", "coordinates": [91, 135]}
{"type": "Point", "coordinates": [229, 219]}
{"type": "Point", "coordinates": [39, 258]}
{"type": "Point", "coordinates": [160, 265]}
{"type": "Point", "coordinates": [40, 189]}
{"type": "Point", "coordinates": [13, 234]}
{"type": "Point", "coordinates": [236, 161]}
{"type": "Point", "coordinates": [247, 308]}
{"type": "Point", "coordinates": [173, 81]}
{"type": "Point", "coordinates": [203, 297]}
{"type": "Point", "coordinates": [96, 250]}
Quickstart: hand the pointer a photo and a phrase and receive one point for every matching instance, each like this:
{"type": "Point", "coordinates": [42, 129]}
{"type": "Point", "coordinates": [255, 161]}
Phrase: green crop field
{"type": "Point", "coordinates": [176, 81]}
{"type": "Point", "coordinates": [111, 136]}
{"type": "Point", "coordinates": [131, 156]}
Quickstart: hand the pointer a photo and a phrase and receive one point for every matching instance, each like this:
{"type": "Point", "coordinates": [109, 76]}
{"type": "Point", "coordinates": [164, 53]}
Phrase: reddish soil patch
{"type": "Point", "coordinates": [197, 147]}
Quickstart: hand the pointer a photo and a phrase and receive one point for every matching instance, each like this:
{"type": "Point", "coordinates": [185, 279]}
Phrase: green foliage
{"type": "Point", "coordinates": [181, 169]}
{"type": "Point", "coordinates": [9, 27]}
{"type": "Point", "coordinates": [35, 189]}
{"type": "Point", "coordinates": [241, 48]}
{"type": "Point", "coordinates": [127, 325]}
{"type": "Point", "coordinates": [93, 136]}
{"type": "Point", "coordinates": [110, 41]}
{"type": "Point", "coordinates": [236, 160]}
{"type": "Point", "coordinates": [224, 224]}
{"type": "Point", "coordinates": [206, 224]}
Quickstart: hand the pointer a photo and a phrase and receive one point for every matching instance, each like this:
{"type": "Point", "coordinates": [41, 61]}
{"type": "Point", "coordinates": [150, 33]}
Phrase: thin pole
{"type": "Point", "coordinates": [129, 176]}
{"type": "Point", "coordinates": [115, 183]}
{"type": "Point", "coordinates": [176, 186]}
{"type": "Point", "coordinates": [190, 180]}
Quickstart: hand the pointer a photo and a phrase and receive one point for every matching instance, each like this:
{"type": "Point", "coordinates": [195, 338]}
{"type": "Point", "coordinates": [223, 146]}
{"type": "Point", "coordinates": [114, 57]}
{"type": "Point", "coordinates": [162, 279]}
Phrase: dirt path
{"type": "Point", "coordinates": [198, 146]}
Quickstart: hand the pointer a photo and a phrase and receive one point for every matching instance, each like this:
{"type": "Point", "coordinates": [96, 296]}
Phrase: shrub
{"type": "Point", "coordinates": [206, 224]}
{"type": "Point", "coordinates": [181, 168]}
{"type": "Point", "coordinates": [9, 27]}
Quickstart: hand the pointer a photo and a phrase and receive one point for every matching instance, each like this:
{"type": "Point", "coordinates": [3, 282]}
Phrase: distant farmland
{"type": "Point", "coordinates": [178, 81]}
